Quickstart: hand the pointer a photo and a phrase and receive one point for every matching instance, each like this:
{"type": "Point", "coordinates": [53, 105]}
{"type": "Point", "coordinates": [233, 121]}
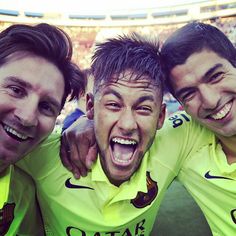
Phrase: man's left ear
{"type": "Point", "coordinates": [90, 105]}
{"type": "Point", "coordinates": [162, 116]}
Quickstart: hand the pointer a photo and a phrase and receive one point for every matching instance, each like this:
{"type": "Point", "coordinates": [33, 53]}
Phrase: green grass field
{"type": "Point", "coordinates": [179, 215]}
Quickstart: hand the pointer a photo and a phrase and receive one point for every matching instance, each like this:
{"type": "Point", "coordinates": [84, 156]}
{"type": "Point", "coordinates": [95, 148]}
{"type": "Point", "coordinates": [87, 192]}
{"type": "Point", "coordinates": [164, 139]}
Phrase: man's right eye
{"type": "Point", "coordinates": [47, 109]}
{"type": "Point", "coordinates": [187, 96]}
{"type": "Point", "coordinates": [16, 91]}
{"type": "Point", "coordinates": [112, 105]}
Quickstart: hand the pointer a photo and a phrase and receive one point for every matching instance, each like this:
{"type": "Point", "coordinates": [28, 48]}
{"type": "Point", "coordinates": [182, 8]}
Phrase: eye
{"type": "Point", "coordinates": [216, 77]}
{"type": "Point", "coordinates": [16, 91]}
{"type": "Point", "coordinates": [144, 109]}
{"type": "Point", "coordinates": [113, 105]}
{"type": "Point", "coordinates": [187, 96]}
{"type": "Point", "coordinates": [47, 109]}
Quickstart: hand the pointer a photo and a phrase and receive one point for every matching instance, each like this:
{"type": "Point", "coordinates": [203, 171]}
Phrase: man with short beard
{"type": "Point", "coordinates": [200, 63]}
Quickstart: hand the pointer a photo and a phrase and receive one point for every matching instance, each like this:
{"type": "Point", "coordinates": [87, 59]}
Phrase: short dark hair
{"type": "Point", "coordinates": [192, 38]}
{"type": "Point", "coordinates": [116, 55]}
{"type": "Point", "coordinates": [49, 42]}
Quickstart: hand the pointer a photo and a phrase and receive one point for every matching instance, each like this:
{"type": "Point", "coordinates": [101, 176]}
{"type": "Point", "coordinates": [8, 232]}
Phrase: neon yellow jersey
{"type": "Point", "coordinates": [92, 206]}
{"type": "Point", "coordinates": [212, 183]}
{"type": "Point", "coordinates": [18, 210]}
{"type": "Point", "coordinates": [5, 181]}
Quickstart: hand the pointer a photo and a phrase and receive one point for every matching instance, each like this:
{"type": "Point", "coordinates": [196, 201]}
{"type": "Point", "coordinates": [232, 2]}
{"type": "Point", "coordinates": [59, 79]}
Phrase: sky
{"type": "Point", "coordinates": [86, 6]}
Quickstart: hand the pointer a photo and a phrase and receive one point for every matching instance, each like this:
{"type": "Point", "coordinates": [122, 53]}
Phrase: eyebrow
{"type": "Point", "coordinates": [111, 91]}
{"type": "Point", "coordinates": [27, 85]}
{"type": "Point", "coordinates": [204, 77]}
{"type": "Point", "coordinates": [18, 81]}
{"type": "Point", "coordinates": [212, 69]}
{"type": "Point", "coordinates": [145, 98]}
{"type": "Point", "coordinates": [140, 99]}
{"type": "Point", "coordinates": [181, 91]}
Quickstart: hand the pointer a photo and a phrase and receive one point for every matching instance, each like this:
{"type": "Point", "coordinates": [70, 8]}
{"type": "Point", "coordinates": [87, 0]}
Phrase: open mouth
{"type": "Point", "coordinates": [15, 134]}
{"type": "Point", "coordinates": [221, 114]}
{"type": "Point", "coordinates": [123, 150]}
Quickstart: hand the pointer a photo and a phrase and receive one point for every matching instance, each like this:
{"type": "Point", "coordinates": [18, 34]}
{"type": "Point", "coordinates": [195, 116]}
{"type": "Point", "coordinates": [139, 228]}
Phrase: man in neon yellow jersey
{"type": "Point", "coordinates": [36, 75]}
{"type": "Point", "coordinates": [122, 193]}
{"type": "Point", "coordinates": [201, 73]}
{"type": "Point", "coordinates": [200, 64]}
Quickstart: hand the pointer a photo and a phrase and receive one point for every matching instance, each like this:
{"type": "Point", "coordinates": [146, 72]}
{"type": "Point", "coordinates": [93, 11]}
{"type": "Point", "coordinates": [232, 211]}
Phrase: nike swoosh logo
{"type": "Point", "coordinates": [233, 215]}
{"type": "Point", "coordinates": [209, 176]}
{"type": "Point", "coordinates": [68, 184]}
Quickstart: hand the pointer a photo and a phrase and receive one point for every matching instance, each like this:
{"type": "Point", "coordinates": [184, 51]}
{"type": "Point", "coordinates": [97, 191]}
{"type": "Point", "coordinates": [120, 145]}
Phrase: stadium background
{"type": "Point", "coordinates": [88, 22]}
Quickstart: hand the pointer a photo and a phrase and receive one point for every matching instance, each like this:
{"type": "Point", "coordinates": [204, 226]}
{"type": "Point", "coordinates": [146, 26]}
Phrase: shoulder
{"type": "Point", "coordinates": [181, 125]}
{"type": "Point", "coordinates": [42, 159]}
{"type": "Point", "coordinates": [178, 138]}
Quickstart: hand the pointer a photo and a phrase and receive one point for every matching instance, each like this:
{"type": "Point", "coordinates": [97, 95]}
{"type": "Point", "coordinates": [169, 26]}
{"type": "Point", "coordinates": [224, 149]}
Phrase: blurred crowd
{"type": "Point", "coordinates": [84, 39]}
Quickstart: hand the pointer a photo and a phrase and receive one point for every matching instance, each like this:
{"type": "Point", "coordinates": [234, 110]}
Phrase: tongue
{"type": "Point", "coordinates": [123, 152]}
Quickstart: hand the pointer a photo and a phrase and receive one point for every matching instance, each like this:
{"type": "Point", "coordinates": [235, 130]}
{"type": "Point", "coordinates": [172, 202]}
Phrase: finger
{"type": "Point", "coordinates": [78, 166]}
{"type": "Point", "coordinates": [75, 172]}
{"type": "Point", "coordinates": [91, 156]}
{"type": "Point", "coordinates": [64, 155]}
{"type": "Point", "coordinates": [67, 161]}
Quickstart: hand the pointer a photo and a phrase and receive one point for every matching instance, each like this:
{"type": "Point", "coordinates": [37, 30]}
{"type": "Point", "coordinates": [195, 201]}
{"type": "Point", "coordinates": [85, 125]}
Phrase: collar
{"type": "Point", "coordinates": [128, 189]}
{"type": "Point", "coordinates": [220, 159]}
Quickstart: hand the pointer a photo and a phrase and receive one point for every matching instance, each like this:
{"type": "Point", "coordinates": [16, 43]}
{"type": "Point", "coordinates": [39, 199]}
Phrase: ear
{"type": "Point", "coordinates": [90, 105]}
{"type": "Point", "coordinates": [162, 116]}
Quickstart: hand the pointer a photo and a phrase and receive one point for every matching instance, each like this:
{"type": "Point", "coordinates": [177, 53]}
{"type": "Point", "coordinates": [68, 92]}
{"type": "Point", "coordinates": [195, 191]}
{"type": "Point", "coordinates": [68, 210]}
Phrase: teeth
{"type": "Point", "coordinates": [14, 132]}
{"type": "Point", "coordinates": [222, 113]}
{"type": "Point", "coordinates": [124, 141]}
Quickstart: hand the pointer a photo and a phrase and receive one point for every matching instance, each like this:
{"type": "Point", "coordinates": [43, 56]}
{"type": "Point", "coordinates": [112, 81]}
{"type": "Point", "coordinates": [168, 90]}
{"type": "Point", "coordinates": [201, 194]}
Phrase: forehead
{"type": "Point", "coordinates": [131, 80]}
{"type": "Point", "coordinates": [36, 73]}
{"type": "Point", "coordinates": [195, 67]}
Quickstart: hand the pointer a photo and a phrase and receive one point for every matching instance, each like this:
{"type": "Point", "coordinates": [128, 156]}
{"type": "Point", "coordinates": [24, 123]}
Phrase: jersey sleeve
{"type": "Point", "coordinates": [42, 160]}
{"type": "Point", "coordinates": [179, 137]}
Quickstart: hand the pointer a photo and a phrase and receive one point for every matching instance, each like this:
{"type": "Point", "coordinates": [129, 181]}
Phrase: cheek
{"type": "Point", "coordinates": [46, 126]}
{"type": "Point", "coordinates": [149, 126]}
{"type": "Point", "coordinates": [192, 108]}
{"type": "Point", "coordinates": [103, 120]}
{"type": "Point", "coordinates": [193, 112]}
{"type": "Point", "coordinates": [101, 129]}
{"type": "Point", "coordinates": [105, 124]}
{"type": "Point", "coordinates": [148, 135]}
{"type": "Point", "coordinates": [7, 103]}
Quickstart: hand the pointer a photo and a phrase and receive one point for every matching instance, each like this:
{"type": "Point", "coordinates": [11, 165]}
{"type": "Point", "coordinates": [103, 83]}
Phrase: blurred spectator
{"type": "Point", "coordinates": [172, 105]}
{"type": "Point", "coordinates": [81, 104]}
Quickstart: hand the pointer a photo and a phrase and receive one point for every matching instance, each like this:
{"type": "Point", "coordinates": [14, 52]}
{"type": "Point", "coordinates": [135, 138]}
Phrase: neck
{"type": "Point", "coordinates": [229, 147]}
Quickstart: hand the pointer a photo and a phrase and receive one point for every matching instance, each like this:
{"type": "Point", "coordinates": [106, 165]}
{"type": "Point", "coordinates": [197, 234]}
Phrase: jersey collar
{"type": "Point", "coordinates": [129, 189]}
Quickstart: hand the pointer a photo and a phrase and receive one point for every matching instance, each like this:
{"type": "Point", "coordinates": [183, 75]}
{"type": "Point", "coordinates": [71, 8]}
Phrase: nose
{"type": "Point", "coordinates": [209, 97]}
{"type": "Point", "coordinates": [127, 122]}
{"type": "Point", "coordinates": [26, 112]}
